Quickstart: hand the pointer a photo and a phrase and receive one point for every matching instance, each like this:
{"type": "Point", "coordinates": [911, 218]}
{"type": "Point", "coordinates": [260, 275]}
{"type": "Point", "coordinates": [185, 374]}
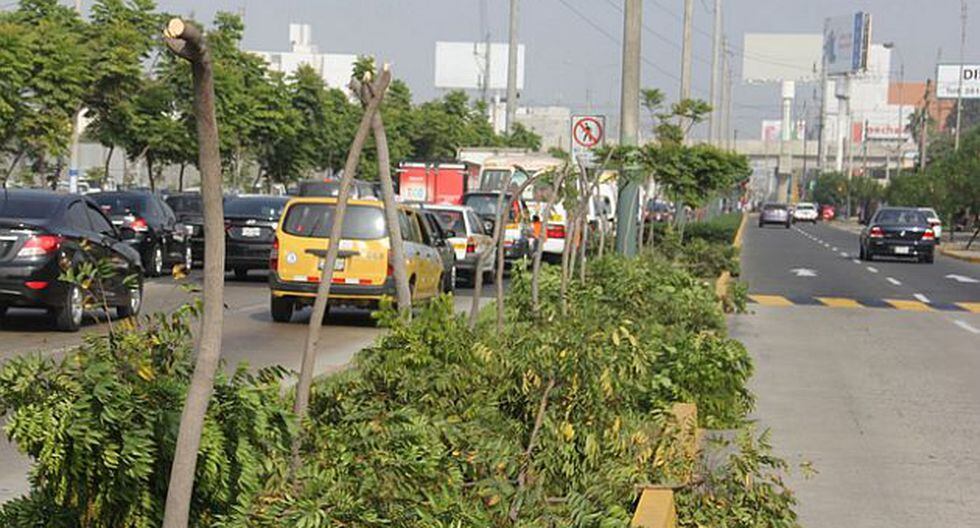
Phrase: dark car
{"type": "Point", "coordinates": [41, 235]}
{"type": "Point", "coordinates": [517, 230]}
{"type": "Point", "coordinates": [250, 230]}
{"type": "Point", "coordinates": [160, 239]}
{"type": "Point", "coordinates": [898, 232]}
{"type": "Point", "coordinates": [189, 209]}
{"type": "Point", "coordinates": [434, 235]}
{"type": "Point", "coordinates": [657, 211]}
{"type": "Point", "coordinates": [775, 213]}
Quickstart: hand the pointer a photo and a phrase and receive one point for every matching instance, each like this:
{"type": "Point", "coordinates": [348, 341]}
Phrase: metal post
{"type": "Point", "coordinates": [512, 69]}
{"type": "Point", "coordinates": [901, 115]}
{"type": "Point", "coordinates": [924, 127]}
{"type": "Point", "coordinates": [959, 91]}
{"type": "Point", "coordinates": [713, 117]}
{"type": "Point", "coordinates": [824, 86]}
{"type": "Point", "coordinates": [76, 133]}
{"type": "Point", "coordinates": [686, 51]}
{"type": "Point", "coordinates": [629, 124]}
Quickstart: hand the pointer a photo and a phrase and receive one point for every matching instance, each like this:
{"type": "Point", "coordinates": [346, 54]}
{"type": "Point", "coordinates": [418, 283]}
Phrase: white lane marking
{"type": "Point", "coordinates": [843, 254]}
{"type": "Point", "coordinates": [893, 281]}
{"type": "Point", "coordinates": [826, 245]}
{"type": "Point", "coordinates": [803, 272]}
{"type": "Point", "coordinates": [921, 298]}
{"type": "Point", "coordinates": [963, 279]}
{"type": "Point", "coordinates": [966, 326]}
{"type": "Point", "coordinates": [856, 261]}
{"type": "Point", "coordinates": [833, 249]}
{"type": "Point", "coordinates": [872, 270]}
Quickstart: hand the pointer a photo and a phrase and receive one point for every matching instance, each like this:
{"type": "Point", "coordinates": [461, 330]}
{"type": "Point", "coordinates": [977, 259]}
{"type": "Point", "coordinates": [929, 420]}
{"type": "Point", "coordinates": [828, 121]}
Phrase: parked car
{"type": "Point", "coordinates": [160, 239]}
{"type": "Point", "coordinates": [250, 229]}
{"type": "Point", "coordinates": [189, 209]}
{"type": "Point", "coordinates": [435, 236]}
{"type": "Point", "coordinates": [934, 221]}
{"type": "Point", "coordinates": [657, 211]}
{"type": "Point", "coordinates": [805, 212]}
{"type": "Point", "coordinates": [517, 228]}
{"type": "Point", "coordinates": [363, 273]}
{"type": "Point", "coordinates": [898, 232]}
{"type": "Point", "coordinates": [827, 212]}
{"type": "Point", "coordinates": [468, 239]}
{"type": "Point", "coordinates": [43, 233]}
{"type": "Point", "coordinates": [775, 213]}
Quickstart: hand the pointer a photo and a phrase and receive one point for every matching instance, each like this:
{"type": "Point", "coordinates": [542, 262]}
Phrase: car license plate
{"type": "Point", "coordinates": [902, 250]}
{"type": "Point", "coordinates": [251, 232]}
{"type": "Point", "coordinates": [338, 265]}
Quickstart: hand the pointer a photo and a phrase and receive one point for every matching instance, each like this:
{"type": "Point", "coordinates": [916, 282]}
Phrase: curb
{"type": "Point", "coordinates": [954, 255]}
{"type": "Point", "coordinates": [721, 284]}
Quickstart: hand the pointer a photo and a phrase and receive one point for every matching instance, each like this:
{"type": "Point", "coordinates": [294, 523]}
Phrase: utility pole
{"type": "Point", "coordinates": [76, 135]}
{"type": "Point", "coordinates": [485, 30]}
{"type": "Point", "coordinates": [713, 117]}
{"type": "Point", "coordinates": [724, 132]}
{"type": "Point", "coordinates": [959, 92]}
{"type": "Point", "coordinates": [512, 69]}
{"type": "Point", "coordinates": [924, 127]}
{"type": "Point", "coordinates": [629, 125]}
{"type": "Point", "coordinates": [824, 86]}
{"type": "Point", "coordinates": [686, 51]}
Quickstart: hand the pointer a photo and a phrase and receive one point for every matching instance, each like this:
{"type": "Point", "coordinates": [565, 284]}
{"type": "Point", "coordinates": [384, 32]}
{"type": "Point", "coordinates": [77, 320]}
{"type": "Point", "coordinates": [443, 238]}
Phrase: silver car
{"type": "Point", "coordinates": [775, 213]}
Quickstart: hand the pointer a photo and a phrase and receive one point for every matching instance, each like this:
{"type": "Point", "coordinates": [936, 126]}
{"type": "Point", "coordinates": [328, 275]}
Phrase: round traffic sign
{"type": "Point", "coordinates": [587, 132]}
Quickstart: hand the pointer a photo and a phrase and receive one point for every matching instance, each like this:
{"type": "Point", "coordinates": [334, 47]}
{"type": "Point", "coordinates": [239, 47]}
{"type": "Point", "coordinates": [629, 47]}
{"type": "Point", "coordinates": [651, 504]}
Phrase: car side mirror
{"type": "Point", "coordinates": [127, 233]}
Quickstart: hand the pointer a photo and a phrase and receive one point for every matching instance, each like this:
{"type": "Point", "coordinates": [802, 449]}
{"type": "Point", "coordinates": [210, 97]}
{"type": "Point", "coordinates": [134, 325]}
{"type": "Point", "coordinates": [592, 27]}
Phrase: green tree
{"type": "Point", "coordinates": [830, 188]}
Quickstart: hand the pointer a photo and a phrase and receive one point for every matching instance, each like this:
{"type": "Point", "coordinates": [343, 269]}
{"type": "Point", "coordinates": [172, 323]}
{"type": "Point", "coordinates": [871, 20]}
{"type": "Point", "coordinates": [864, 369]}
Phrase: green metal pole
{"type": "Point", "coordinates": [627, 209]}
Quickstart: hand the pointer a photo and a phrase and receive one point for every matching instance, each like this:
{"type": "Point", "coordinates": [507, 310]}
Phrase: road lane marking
{"type": "Point", "coordinates": [921, 298]}
{"type": "Point", "coordinates": [872, 270]}
{"type": "Point", "coordinates": [893, 281]}
{"type": "Point", "coordinates": [843, 254]}
{"type": "Point", "coordinates": [973, 307]}
{"type": "Point", "coordinates": [856, 261]}
{"type": "Point", "coordinates": [966, 326]}
{"type": "Point", "coordinates": [803, 272]}
{"type": "Point", "coordinates": [962, 279]}
{"type": "Point", "coordinates": [909, 306]}
{"type": "Point", "coordinates": [839, 302]}
{"type": "Point", "coordinates": [771, 300]}
{"type": "Point", "coordinates": [833, 249]}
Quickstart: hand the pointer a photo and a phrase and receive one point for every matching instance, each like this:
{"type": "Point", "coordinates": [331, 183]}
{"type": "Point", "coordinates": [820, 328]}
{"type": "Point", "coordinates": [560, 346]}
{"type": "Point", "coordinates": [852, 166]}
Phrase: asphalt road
{"type": "Point", "coordinates": [250, 336]}
{"type": "Point", "coordinates": [869, 372]}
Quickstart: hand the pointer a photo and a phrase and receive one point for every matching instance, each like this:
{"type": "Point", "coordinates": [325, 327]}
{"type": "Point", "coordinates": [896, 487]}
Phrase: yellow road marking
{"type": "Point", "coordinates": [771, 300]}
{"type": "Point", "coordinates": [970, 306]}
{"type": "Point", "coordinates": [911, 306]}
{"type": "Point", "coordinates": [839, 302]}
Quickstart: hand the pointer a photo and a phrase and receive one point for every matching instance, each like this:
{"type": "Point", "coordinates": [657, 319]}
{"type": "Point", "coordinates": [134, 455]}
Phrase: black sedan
{"type": "Point", "coordinates": [250, 230]}
{"type": "Point", "coordinates": [160, 239]}
{"type": "Point", "coordinates": [898, 232]}
{"type": "Point", "coordinates": [43, 234]}
{"type": "Point", "coordinates": [189, 209]}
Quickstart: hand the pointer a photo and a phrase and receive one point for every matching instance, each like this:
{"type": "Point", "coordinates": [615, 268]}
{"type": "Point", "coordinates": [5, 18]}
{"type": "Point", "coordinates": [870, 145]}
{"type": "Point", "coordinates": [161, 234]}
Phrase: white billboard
{"type": "Point", "coordinates": [464, 65]}
{"type": "Point", "coordinates": [948, 78]}
{"type": "Point", "coordinates": [776, 57]}
{"type": "Point", "coordinates": [846, 43]}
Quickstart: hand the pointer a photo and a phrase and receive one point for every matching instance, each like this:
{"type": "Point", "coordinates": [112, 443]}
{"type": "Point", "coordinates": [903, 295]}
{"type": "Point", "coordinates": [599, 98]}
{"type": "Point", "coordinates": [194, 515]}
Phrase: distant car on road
{"type": "Point", "coordinates": [189, 209]}
{"type": "Point", "coordinates": [805, 212]}
{"type": "Point", "coordinates": [466, 234]}
{"type": "Point", "coordinates": [160, 238]}
{"type": "Point", "coordinates": [433, 235]}
{"type": "Point", "coordinates": [934, 222]}
{"type": "Point", "coordinates": [41, 233]}
{"type": "Point", "coordinates": [250, 229]}
{"type": "Point", "coordinates": [827, 212]}
{"type": "Point", "coordinates": [775, 213]}
{"type": "Point", "coordinates": [898, 232]}
{"type": "Point", "coordinates": [517, 229]}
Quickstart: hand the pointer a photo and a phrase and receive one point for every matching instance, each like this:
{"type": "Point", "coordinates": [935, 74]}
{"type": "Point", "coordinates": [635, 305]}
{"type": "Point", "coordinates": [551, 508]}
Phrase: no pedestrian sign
{"type": "Point", "coordinates": [588, 132]}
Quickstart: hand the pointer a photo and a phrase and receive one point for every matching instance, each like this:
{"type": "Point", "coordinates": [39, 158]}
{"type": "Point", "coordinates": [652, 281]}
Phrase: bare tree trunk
{"type": "Point", "coordinates": [187, 41]}
{"type": "Point", "coordinates": [602, 234]}
{"type": "Point", "coordinates": [584, 245]}
{"type": "Point", "coordinates": [478, 282]}
{"type": "Point", "coordinates": [13, 166]}
{"type": "Point", "coordinates": [498, 244]}
{"type": "Point", "coordinates": [565, 257]}
{"type": "Point", "coordinates": [149, 173]}
{"type": "Point", "coordinates": [542, 240]}
{"type": "Point", "coordinates": [108, 161]}
{"type": "Point", "coordinates": [180, 177]}
{"type": "Point", "coordinates": [336, 231]}
{"type": "Point", "coordinates": [391, 215]}
{"type": "Point", "coordinates": [500, 252]}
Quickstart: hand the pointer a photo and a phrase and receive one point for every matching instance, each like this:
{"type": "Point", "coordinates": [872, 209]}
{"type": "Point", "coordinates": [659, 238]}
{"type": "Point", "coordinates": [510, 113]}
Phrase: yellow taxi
{"type": "Point", "coordinates": [363, 273]}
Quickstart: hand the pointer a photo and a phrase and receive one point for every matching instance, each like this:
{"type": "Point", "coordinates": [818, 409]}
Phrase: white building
{"type": "Point", "coordinates": [334, 68]}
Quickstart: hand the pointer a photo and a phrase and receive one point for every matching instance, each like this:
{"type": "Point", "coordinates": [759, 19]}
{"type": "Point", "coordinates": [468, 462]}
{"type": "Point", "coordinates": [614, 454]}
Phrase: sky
{"type": "Point", "coordinates": [573, 46]}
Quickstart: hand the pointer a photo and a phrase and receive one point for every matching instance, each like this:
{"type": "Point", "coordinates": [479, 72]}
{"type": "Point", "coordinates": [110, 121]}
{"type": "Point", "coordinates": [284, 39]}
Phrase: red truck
{"type": "Point", "coordinates": [436, 182]}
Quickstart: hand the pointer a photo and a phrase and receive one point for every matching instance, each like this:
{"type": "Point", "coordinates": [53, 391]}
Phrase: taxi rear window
{"type": "Point", "coordinates": [316, 220]}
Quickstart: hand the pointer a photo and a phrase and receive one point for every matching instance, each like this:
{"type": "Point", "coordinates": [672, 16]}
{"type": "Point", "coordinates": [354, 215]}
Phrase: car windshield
{"type": "Point", "coordinates": [774, 207]}
{"type": "Point", "coordinates": [452, 221]}
{"type": "Point", "coordinates": [315, 220]}
{"type": "Point", "coordinates": [483, 204]}
{"type": "Point", "coordinates": [186, 204]}
{"type": "Point", "coordinates": [805, 206]}
{"type": "Point", "coordinates": [269, 208]}
{"type": "Point", "coordinates": [900, 216]}
{"type": "Point", "coordinates": [25, 207]}
{"type": "Point", "coordinates": [121, 204]}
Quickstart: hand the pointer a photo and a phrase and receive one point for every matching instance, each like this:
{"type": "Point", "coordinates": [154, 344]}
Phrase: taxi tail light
{"type": "Point", "coordinates": [557, 231]}
{"type": "Point", "coordinates": [929, 235]}
{"type": "Point", "coordinates": [139, 225]}
{"type": "Point", "coordinates": [470, 245]}
{"type": "Point", "coordinates": [274, 255]}
{"type": "Point", "coordinates": [40, 245]}
{"type": "Point", "coordinates": [876, 232]}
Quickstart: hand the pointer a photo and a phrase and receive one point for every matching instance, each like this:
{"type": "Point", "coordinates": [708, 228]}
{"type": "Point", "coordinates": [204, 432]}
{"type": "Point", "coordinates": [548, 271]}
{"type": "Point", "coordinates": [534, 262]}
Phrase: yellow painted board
{"type": "Point", "coordinates": [970, 306]}
{"type": "Point", "coordinates": [907, 305]}
{"type": "Point", "coordinates": [771, 300]}
{"type": "Point", "coordinates": [839, 302]}
{"type": "Point", "coordinates": [655, 510]}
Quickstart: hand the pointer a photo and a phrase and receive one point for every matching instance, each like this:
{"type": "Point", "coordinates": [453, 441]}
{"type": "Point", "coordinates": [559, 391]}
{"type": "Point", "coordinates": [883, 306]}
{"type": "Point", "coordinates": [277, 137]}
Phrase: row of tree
{"type": "Point", "coordinates": [112, 66]}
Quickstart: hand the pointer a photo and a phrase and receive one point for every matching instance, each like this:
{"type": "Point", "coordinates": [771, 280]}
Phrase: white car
{"type": "Point", "coordinates": [934, 222]}
{"type": "Point", "coordinates": [468, 239]}
{"type": "Point", "coordinates": [555, 225]}
{"type": "Point", "coordinates": [805, 212]}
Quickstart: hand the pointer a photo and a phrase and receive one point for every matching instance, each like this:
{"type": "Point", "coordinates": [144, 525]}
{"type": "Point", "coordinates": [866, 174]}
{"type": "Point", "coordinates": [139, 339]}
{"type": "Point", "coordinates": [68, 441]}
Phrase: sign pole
{"type": "Point", "coordinates": [629, 101]}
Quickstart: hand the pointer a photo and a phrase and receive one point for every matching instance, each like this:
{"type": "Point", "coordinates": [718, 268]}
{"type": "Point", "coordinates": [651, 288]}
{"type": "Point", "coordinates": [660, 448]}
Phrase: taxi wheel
{"type": "Point", "coordinates": [281, 308]}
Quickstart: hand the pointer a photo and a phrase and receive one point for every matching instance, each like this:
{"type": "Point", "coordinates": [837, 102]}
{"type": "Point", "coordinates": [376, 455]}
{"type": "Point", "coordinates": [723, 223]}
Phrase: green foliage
{"type": "Point", "coordinates": [830, 188]}
{"type": "Point", "coordinates": [692, 174]}
{"type": "Point", "coordinates": [101, 423]}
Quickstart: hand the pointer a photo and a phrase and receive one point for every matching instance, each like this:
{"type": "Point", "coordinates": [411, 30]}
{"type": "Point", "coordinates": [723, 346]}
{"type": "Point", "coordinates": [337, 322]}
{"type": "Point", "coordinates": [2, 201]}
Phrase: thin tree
{"type": "Point", "coordinates": [187, 41]}
{"type": "Point", "coordinates": [336, 231]}
{"type": "Point", "coordinates": [543, 239]}
{"type": "Point", "coordinates": [516, 195]}
{"type": "Point", "coordinates": [497, 246]}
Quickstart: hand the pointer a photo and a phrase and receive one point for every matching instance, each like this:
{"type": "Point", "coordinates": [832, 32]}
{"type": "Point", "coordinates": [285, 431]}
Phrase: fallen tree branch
{"type": "Point", "coordinates": [515, 508]}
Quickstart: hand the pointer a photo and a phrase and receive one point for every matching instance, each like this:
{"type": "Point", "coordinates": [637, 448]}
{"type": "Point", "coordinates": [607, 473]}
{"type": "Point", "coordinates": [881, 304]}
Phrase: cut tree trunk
{"type": "Point", "coordinates": [542, 240]}
{"type": "Point", "coordinates": [498, 247]}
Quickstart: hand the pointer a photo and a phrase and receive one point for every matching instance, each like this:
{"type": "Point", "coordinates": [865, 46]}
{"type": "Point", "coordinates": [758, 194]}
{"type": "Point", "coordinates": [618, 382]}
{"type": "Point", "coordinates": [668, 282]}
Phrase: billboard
{"type": "Point", "coordinates": [845, 43]}
{"type": "Point", "coordinates": [463, 65]}
{"type": "Point", "coordinates": [776, 57]}
{"type": "Point", "coordinates": [772, 130]}
{"type": "Point", "coordinates": [948, 78]}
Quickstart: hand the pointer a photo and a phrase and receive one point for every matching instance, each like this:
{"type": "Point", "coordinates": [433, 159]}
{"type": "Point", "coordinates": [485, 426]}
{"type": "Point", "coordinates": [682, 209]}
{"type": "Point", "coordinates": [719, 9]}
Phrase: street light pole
{"type": "Point", "coordinates": [512, 69]}
{"type": "Point", "coordinates": [959, 91]}
{"type": "Point", "coordinates": [629, 124]}
{"type": "Point", "coordinates": [715, 114]}
{"type": "Point", "coordinates": [686, 51]}
{"type": "Point", "coordinates": [76, 133]}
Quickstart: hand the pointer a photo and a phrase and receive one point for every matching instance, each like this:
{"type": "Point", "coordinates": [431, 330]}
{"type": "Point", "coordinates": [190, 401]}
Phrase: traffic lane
{"type": "Point", "coordinates": [945, 282]}
{"type": "Point", "coordinates": [786, 262]}
{"type": "Point", "coordinates": [885, 406]}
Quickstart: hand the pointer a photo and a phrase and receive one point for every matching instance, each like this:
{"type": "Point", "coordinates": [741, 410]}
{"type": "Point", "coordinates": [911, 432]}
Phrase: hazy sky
{"type": "Point", "coordinates": [573, 54]}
